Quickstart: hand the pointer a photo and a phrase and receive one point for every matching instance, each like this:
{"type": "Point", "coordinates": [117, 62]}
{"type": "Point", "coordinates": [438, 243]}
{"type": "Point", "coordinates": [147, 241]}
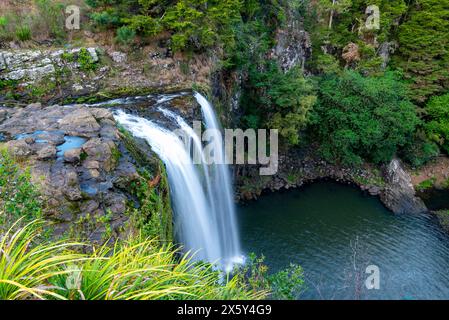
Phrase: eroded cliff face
{"type": "Point", "coordinates": [97, 72]}
{"type": "Point", "coordinates": [391, 183]}
{"type": "Point", "coordinates": [399, 195]}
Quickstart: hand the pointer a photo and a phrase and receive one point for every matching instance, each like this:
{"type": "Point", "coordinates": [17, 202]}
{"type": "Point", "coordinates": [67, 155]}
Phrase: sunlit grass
{"type": "Point", "coordinates": [131, 270]}
{"type": "Point", "coordinates": [25, 270]}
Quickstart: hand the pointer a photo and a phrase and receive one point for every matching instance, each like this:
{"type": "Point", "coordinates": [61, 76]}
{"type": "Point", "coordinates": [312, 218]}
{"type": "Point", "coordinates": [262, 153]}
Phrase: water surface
{"type": "Point", "coordinates": [325, 225]}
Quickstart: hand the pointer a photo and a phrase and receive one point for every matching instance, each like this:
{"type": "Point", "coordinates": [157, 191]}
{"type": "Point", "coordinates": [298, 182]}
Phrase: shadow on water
{"type": "Point", "coordinates": [335, 232]}
{"type": "Point", "coordinates": [436, 199]}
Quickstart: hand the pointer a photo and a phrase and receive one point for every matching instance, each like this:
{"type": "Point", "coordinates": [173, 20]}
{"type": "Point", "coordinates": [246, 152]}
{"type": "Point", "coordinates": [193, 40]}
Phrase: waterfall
{"type": "Point", "coordinates": [205, 221]}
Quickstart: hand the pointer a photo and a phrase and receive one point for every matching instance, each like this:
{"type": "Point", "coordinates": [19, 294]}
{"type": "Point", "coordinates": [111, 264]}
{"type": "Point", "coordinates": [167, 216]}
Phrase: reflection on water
{"type": "Point", "coordinates": [324, 226]}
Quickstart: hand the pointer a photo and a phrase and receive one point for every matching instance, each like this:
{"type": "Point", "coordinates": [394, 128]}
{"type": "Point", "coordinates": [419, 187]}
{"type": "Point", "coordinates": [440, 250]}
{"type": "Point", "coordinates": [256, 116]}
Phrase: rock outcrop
{"type": "Point", "coordinates": [27, 66]}
{"type": "Point", "coordinates": [399, 195]}
{"type": "Point", "coordinates": [296, 168]}
{"type": "Point", "coordinates": [64, 75]}
{"type": "Point", "coordinates": [78, 161]}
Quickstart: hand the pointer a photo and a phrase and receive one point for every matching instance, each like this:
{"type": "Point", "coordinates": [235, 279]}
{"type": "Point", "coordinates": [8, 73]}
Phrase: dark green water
{"type": "Point", "coordinates": [323, 225]}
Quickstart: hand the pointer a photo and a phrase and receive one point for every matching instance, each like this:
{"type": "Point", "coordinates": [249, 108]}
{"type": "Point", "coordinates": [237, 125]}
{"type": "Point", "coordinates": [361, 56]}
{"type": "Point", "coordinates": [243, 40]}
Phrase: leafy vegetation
{"type": "Point", "coordinates": [423, 51]}
{"type": "Point", "coordinates": [26, 269]}
{"type": "Point", "coordinates": [131, 270]}
{"type": "Point", "coordinates": [18, 196]}
{"type": "Point", "coordinates": [278, 100]}
{"type": "Point", "coordinates": [193, 24]}
{"type": "Point", "coordinates": [437, 126]}
{"type": "Point", "coordinates": [363, 118]}
{"type": "Point", "coordinates": [86, 61]}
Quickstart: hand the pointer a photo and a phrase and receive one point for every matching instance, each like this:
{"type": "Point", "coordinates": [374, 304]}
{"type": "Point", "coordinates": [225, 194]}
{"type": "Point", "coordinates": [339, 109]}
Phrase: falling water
{"type": "Point", "coordinates": [201, 194]}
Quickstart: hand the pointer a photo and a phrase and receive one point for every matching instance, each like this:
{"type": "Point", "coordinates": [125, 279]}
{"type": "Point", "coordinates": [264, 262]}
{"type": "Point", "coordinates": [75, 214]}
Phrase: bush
{"type": "Point", "coordinates": [107, 18]}
{"type": "Point", "coordinates": [279, 100]}
{"type": "Point", "coordinates": [125, 35]}
{"type": "Point", "coordinates": [51, 13]}
{"type": "Point", "coordinates": [420, 151]}
{"type": "Point", "coordinates": [361, 119]}
{"type": "Point", "coordinates": [437, 126]}
{"type": "Point", "coordinates": [18, 196]}
{"type": "Point", "coordinates": [86, 61]}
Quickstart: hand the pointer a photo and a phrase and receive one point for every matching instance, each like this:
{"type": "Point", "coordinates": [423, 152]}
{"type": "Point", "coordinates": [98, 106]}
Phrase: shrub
{"type": "Point", "coordinates": [86, 61]}
{"type": "Point", "coordinates": [419, 151]}
{"type": "Point", "coordinates": [23, 33]}
{"type": "Point", "coordinates": [437, 126]}
{"type": "Point", "coordinates": [125, 35]}
{"type": "Point", "coordinates": [26, 268]}
{"type": "Point", "coordinates": [107, 18]}
{"type": "Point", "coordinates": [280, 100]}
{"type": "Point", "coordinates": [51, 14]}
{"type": "Point", "coordinates": [18, 196]}
{"type": "Point", "coordinates": [363, 118]}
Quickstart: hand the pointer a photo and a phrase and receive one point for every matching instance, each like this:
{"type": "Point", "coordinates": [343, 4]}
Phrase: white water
{"type": "Point", "coordinates": [205, 220]}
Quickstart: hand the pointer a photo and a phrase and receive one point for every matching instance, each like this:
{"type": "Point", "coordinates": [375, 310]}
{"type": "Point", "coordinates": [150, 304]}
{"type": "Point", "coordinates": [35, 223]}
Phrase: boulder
{"type": "Point", "coordinates": [80, 122]}
{"type": "Point", "coordinates": [399, 194]}
{"type": "Point", "coordinates": [101, 150]}
{"type": "Point", "coordinates": [72, 155]}
{"type": "Point", "coordinates": [125, 174]}
{"type": "Point", "coordinates": [19, 149]}
{"type": "Point", "coordinates": [47, 152]}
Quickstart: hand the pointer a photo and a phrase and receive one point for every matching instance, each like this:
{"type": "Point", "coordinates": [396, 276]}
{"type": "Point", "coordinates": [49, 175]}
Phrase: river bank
{"type": "Point", "coordinates": [391, 183]}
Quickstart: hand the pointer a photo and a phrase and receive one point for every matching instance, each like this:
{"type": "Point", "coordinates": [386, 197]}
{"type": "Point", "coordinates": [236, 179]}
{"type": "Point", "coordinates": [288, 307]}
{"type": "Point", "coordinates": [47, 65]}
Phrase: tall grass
{"type": "Point", "coordinates": [26, 270]}
{"type": "Point", "coordinates": [131, 270]}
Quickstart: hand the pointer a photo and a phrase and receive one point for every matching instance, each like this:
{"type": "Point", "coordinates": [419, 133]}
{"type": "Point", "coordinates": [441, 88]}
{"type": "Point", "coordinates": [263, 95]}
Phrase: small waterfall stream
{"type": "Point", "coordinates": [205, 221]}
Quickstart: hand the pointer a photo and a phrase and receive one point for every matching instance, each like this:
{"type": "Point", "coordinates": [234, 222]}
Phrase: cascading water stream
{"type": "Point", "coordinates": [205, 220]}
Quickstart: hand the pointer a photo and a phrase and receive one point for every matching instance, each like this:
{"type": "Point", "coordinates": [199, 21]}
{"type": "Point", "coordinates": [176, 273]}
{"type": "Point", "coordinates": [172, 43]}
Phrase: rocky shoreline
{"type": "Point", "coordinates": [391, 183]}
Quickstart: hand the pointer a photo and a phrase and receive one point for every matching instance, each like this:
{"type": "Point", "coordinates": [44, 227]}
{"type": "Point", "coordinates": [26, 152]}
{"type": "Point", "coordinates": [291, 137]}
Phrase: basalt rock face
{"type": "Point", "coordinates": [78, 161]}
{"type": "Point", "coordinates": [293, 45]}
{"type": "Point", "coordinates": [399, 194]}
{"type": "Point", "coordinates": [298, 167]}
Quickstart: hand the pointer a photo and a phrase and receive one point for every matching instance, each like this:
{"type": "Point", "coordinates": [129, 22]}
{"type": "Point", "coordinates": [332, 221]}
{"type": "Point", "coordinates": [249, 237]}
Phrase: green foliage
{"type": "Point", "coordinates": [154, 215]}
{"type": "Point", "coordinates": [125, 35]}
{"type": "Point", "coordinates": [86, 61]}
{"type": "Point", "coordinates": [363, 118]}
{"type": "Point", "coordinates": [26, 268]}
{"type": "Point", "coordinates": [437, 126]}
{"type": "Point", "coordinates": [279, 100]}
{"type": "Point", "coordinates": [287, 284]}
{"type": "Point", "coordinates": [348, 26]}
{"type": "Point", "coordinates": [427, 184]}
{"type": "Point", "coordinates": [4, 34]}
{"type": "Point", "coordinates": [135, 269]}
{"type": "Point", "coordinates": [424, 48]}
{"type": "Point", "coordinates": [193, 24]}
{"type": "Point", "coordinates": [23, 33]}
{"type": "Point", "coordinates": [107, 18]}
{"type": "Point", "coordinates": [18, 196]}
{"type": "Point", "coordinates": [420, 150]}
{"type": "Point", "coordinates": [52, 14]}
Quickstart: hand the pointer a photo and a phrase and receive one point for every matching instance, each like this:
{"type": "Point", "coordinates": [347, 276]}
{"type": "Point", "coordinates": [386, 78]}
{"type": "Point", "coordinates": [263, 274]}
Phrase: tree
{"type": "Point", "coordinates": [362, 118]}
{"type": "Point", "coordinates": [278, 100]}
{"type": "Point", "coordinates": [437, 127]}
{"type": "Point", "coordinates": [424, 48]}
